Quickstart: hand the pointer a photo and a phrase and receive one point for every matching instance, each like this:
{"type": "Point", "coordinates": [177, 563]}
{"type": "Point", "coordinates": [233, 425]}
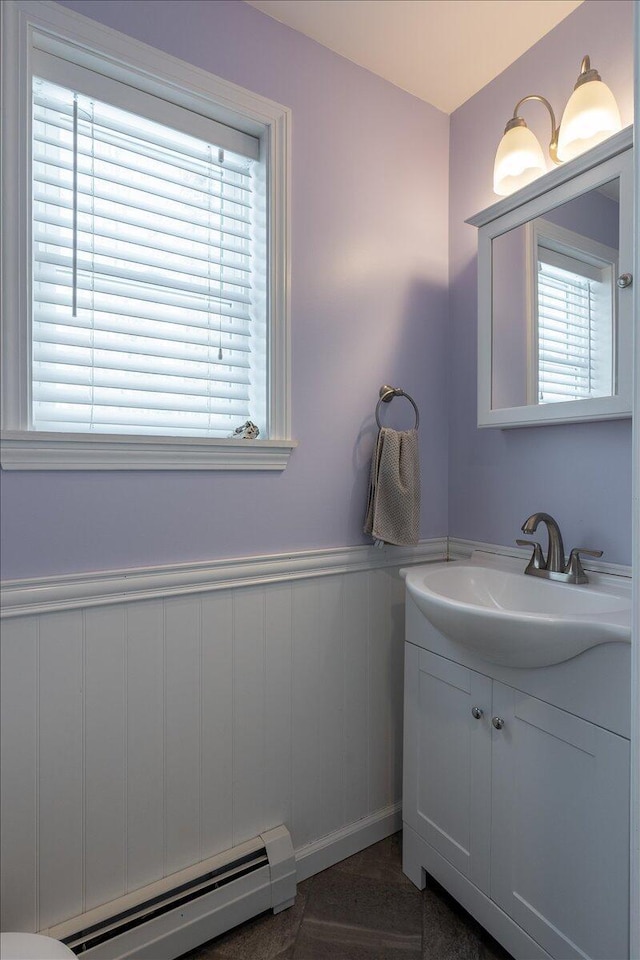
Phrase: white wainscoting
{"type": "Point", "coordinates": [151, 719]}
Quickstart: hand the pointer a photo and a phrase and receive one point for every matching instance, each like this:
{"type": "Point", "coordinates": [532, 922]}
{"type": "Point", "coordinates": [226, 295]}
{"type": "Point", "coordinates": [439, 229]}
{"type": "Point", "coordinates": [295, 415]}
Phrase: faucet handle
{"type": "Point", "coordinates": [537, 560]}
{"type": "Point", "coordinates": [574, 567]}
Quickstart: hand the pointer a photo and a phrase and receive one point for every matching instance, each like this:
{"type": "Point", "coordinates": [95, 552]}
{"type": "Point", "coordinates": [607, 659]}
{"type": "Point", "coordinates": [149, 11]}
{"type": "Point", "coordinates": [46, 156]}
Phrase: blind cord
{"type": "Point", "coordinates": [221, 161]}
{"type": "Point", "coordinates": [74, 253]}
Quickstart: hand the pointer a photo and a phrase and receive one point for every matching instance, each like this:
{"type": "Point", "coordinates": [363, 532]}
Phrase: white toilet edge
{"type": "Point", "coordinates": [32, 946]}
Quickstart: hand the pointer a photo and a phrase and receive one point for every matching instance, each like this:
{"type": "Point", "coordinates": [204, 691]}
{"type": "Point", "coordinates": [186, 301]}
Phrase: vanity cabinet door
{"type": "Point", "coordinates": [560, 828]}
{"type": "Point", "coordinates": [447, 764]}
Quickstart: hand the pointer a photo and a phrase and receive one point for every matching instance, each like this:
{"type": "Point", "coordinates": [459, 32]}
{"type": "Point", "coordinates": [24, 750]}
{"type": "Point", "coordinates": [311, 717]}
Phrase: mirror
{"type": "Point", "coordinates": [554, 326]}
{"type": "Point", "coordinates": [554, 303]}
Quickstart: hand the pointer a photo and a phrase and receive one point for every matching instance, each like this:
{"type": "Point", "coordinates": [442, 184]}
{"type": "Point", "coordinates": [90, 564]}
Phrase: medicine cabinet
{"type": "Point", "coordinates": [554, 295]}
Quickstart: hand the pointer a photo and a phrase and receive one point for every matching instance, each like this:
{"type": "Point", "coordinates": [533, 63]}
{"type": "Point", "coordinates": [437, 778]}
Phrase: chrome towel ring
{"type": "Point", "coordinates": [387, 394]}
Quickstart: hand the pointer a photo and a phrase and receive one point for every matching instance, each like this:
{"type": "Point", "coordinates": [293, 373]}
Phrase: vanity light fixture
{"type": "Point", "coordinates": [590, 116]}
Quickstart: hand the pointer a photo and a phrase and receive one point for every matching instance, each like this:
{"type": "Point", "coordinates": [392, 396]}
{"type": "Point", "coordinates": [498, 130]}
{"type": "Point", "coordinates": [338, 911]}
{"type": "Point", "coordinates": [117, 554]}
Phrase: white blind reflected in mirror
{"type": "Point", "coordinates": [574, 328]}
{"type": "Point", "coordinates": [148, 276]}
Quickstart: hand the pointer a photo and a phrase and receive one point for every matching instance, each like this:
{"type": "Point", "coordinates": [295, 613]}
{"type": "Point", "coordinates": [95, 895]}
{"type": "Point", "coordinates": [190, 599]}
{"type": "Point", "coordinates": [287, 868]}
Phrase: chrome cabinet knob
{"type": "Point", "coordinates": [498, 722]}
{"type": "Point", "coordinates": [625, 280]}
{"type": "Point", "coordinates": [477, 712]}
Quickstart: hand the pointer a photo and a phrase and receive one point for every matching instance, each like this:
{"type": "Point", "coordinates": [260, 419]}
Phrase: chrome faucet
{"type": "Point", "coordinates": [554, 567]}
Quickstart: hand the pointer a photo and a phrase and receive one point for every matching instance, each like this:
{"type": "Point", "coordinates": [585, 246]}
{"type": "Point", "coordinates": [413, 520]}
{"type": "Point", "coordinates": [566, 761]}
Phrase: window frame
{"type": "Point", "coordinates": [38, 24]}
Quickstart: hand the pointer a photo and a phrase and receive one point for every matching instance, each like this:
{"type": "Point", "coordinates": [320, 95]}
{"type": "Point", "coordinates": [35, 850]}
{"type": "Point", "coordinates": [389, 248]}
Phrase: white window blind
{"type": "Point", "coordinates": [149, 309]}
{"type": "Point", "coordinates": [574, 329]}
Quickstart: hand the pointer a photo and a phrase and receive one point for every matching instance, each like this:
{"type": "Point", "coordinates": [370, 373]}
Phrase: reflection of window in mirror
{"type": "Point", "coordinates": [571, 286]}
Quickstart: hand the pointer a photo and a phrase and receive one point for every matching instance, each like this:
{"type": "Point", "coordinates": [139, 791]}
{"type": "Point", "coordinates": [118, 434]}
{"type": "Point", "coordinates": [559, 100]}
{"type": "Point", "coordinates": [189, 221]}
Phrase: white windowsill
{"type": "Point", "coordinates": [48, 451]}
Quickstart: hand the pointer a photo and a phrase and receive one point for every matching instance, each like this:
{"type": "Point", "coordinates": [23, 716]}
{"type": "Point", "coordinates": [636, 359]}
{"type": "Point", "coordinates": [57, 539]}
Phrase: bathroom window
{"type": "Point", "coordinates": [148, 311]}
{"type": "Point", "coordinates": [153, 317]}
{"type": "Point", "coordinates": [574, 318]}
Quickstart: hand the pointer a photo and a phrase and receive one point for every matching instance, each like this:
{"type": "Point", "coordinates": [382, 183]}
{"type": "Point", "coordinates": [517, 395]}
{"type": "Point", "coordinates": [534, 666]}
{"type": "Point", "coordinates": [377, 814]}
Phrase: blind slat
{"type": "Point", "coordinates": [95, 208]}
{"type": "Point", "coordinates": [92, 248]}
{"type": "Point", "coordinates": [214, 431]}
{"type": "Point", "coordinates": [61, 372]}
{"type": "Point", "coordinates": [55, 288]}
{"type": "Point", "coordinates": [141, 197]}
{"type": "Point", "coordinates": [100, 230]}
{"type": "Point", "coordinates": [115, 415]}
{"type": "Point", "coordinates": [97, 394]}
{"type": "Point", "coordinates": [195, 328]}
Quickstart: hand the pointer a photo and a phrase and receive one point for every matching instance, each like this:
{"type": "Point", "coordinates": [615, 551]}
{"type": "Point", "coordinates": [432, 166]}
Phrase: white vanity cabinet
{"type": "Point", "coordinates": [515, 803]}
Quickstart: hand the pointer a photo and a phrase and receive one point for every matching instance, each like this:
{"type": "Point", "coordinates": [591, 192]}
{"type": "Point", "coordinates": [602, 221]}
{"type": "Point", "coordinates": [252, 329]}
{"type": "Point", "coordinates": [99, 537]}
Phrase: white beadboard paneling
{"type": "Point", "coordinates": [61, 767]}
{"type": "Point", "coordinates": [105, 756]}
{"type": "Point", "coordinates": [278, 718]}
{"type": "Point", "coordinates": [329, 705]}
{"type": "Point", "coordinates": [318, 774]}
{"type": "Point", "coordinates": [18, 784]}
{"type": "Point", "coordinates": [182, 713]}
{"type": "Point", "coordinates": [217, 723]}
{"type": "Point", "coordinates": [148, 734]}
{"type": "Point", "coordinates": [355, 689]}
{"type": "Point", "coordinates": [396, 662]}
{"type": "Point", "coordinates": [145, 742]}
{"type": "Point", "coordinates": [248, 712]}
{"type": "Point", "coordinates": [385, 660]}
{"type": "Point", "coordinates": [305, 778]}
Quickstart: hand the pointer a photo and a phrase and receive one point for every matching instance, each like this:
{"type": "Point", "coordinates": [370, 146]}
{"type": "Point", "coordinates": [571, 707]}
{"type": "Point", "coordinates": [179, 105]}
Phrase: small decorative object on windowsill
{"type": "Point", "coordinates": [248, 431]}
{"type": "Point", "coordinates": [590, 116]}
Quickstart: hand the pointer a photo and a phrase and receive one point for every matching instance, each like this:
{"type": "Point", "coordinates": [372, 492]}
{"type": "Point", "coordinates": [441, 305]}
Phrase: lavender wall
{"type": "Point", "coordinates": [369, 306]}
{"type": "Point", "coordinates": [579, 473]}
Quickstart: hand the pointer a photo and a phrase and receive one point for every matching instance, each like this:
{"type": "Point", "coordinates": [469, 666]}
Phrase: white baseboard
{"type": "Point", "coordinates": [343, 843]}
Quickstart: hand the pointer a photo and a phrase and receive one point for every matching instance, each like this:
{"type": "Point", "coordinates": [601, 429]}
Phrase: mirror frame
{"type": "Point", "coordinates": [609, 160]}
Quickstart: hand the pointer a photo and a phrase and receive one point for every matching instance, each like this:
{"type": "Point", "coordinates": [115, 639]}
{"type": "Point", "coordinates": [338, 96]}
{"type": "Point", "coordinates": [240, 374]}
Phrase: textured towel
{"type": "Point", "coordinates": [393, 504]}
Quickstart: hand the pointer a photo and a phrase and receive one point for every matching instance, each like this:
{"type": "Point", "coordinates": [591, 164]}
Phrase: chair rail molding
{"type": "Point", "coordinates": [73, 591]}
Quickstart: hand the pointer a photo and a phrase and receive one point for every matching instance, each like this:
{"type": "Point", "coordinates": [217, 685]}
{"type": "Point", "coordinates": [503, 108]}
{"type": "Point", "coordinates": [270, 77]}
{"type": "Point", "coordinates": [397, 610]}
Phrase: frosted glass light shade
{"type": "Point", "coordinates": [590, 116]}
{"type": "Point", "coordinates": [519, 160]}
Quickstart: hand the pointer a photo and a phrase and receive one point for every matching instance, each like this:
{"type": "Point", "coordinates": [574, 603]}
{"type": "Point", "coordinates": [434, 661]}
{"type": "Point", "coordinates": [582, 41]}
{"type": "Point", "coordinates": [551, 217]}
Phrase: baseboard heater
{"type": "Point", "coordinates": [172, 916]}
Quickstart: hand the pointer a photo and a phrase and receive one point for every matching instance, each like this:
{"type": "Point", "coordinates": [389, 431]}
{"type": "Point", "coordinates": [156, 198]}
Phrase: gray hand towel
{"type": "Point", "coordinates": [393, 504]}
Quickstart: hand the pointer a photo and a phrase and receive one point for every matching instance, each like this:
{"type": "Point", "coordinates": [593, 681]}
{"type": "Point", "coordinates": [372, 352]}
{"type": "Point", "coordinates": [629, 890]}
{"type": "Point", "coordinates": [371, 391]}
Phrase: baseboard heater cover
{"type": "Point", "coordinates": [172, 916]}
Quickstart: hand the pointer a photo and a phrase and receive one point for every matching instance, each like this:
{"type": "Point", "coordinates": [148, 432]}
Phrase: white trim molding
{"type": "Point", "coordinates": [317, 856]}
{"type": "Point", "coordinates": [460, 549]}
{"type": "Point", "coordinates": [78, 591]}
{"type": "Point", "coordinates": [64, 451]}
{"type": "Point", "coordinates": [38, 595]}
{"type": "Point", "coordinates": [29, 25]}
{"type": "Point", "coordinates": [611, 147]}
{"type": "Point", "coordinates": [634, 898]}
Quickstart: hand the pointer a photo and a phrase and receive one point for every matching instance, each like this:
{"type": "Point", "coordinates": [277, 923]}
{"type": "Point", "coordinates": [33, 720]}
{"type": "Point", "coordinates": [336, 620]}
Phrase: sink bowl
{"type": "Point", "coordinates": [517, 620]}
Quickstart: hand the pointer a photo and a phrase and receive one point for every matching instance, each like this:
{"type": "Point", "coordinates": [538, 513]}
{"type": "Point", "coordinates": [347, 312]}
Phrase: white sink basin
{"type": "Point", "coordinates": [491, 607]}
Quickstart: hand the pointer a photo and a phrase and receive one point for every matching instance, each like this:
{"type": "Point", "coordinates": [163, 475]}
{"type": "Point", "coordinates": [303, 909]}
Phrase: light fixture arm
{"type": "Point", "coordinates": [587, 73]}
{"type": "Point", "coordinates": [517, 121]}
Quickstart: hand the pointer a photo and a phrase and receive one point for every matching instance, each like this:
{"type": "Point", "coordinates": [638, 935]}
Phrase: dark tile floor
{"type": "Point", "coordinates": [361, 909]}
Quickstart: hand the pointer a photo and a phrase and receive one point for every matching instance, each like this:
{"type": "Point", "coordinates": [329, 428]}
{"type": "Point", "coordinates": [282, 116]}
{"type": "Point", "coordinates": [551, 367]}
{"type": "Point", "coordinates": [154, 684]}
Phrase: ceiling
{"type": "Point", "coordinates": [442, 51]}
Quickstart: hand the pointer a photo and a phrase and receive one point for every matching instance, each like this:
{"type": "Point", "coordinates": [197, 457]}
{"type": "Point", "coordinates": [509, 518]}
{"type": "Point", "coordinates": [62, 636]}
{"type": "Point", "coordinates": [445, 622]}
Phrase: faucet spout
{"type": "Point", "coordinates": [555, 562]}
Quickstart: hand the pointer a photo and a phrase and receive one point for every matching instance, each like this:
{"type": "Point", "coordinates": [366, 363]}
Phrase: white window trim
{"type": "Point", "coordinates": [559, 238]}
{"type": "Point", "coordinates": [26, 23]}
